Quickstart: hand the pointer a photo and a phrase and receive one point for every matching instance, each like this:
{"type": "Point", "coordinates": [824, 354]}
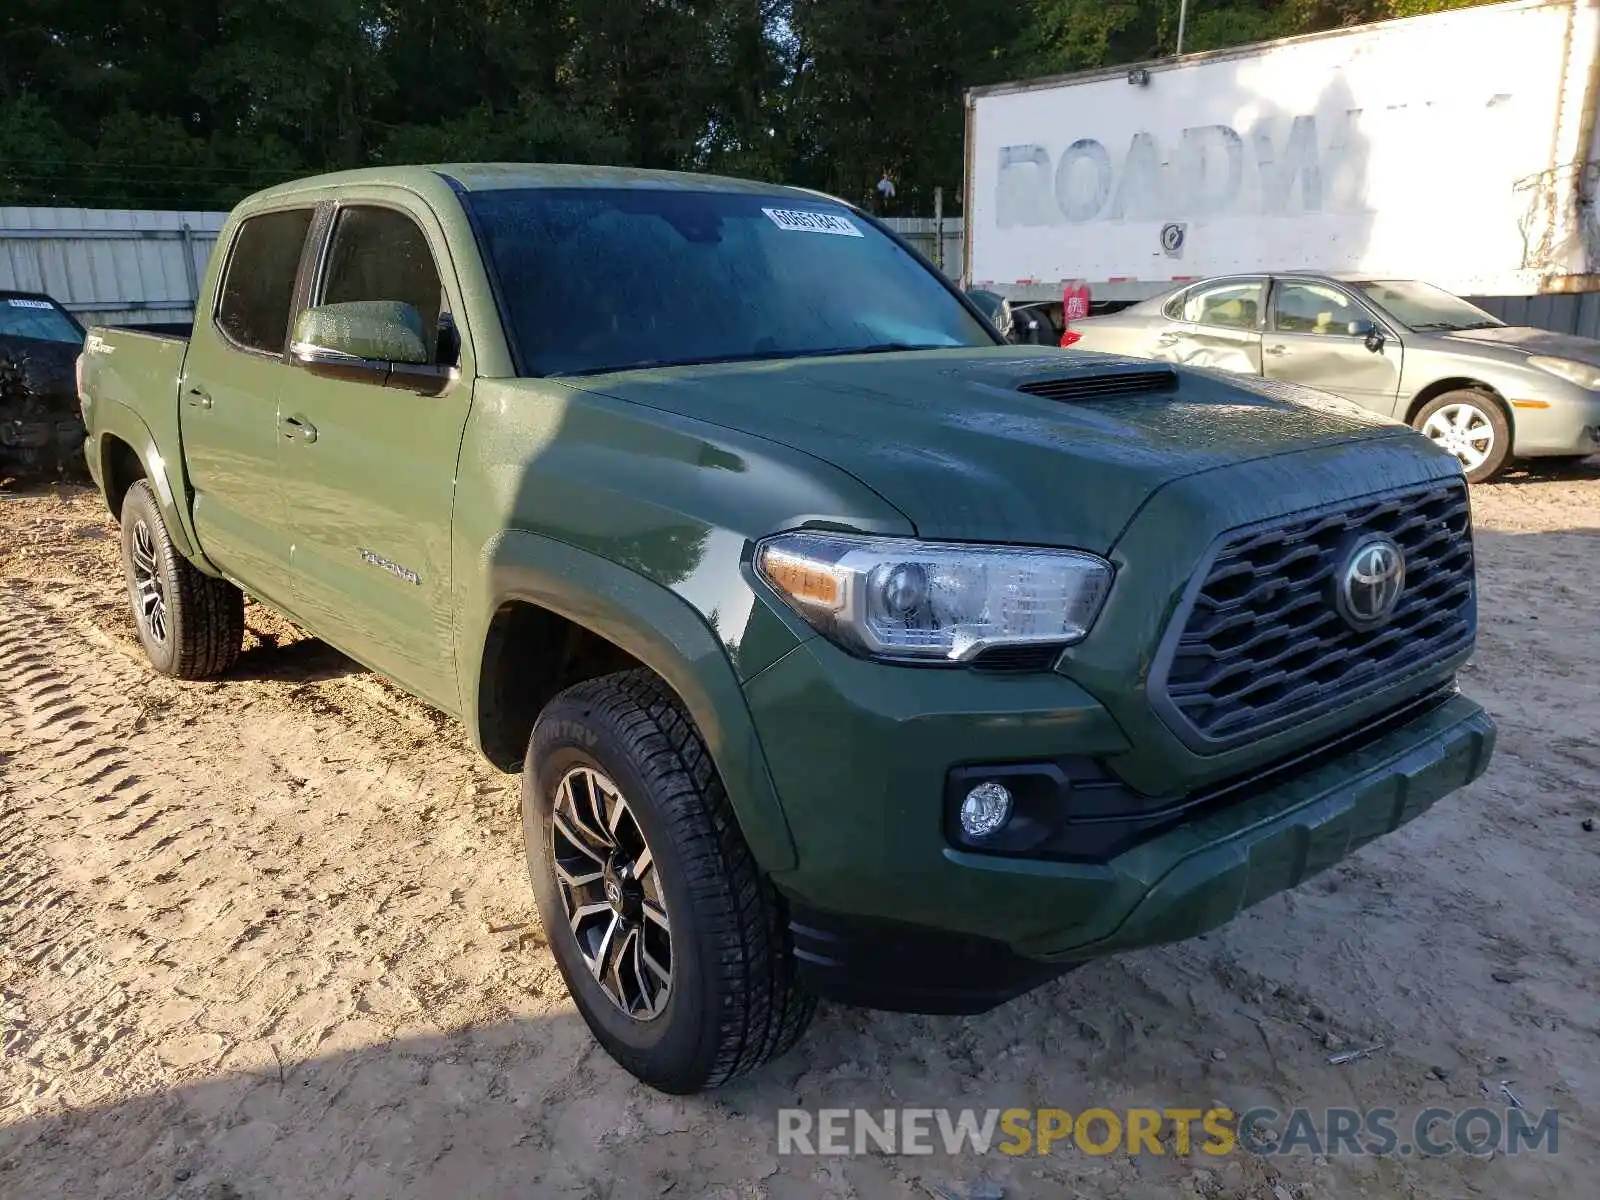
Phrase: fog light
{"type": "Point", "coordinates": [986, 808]}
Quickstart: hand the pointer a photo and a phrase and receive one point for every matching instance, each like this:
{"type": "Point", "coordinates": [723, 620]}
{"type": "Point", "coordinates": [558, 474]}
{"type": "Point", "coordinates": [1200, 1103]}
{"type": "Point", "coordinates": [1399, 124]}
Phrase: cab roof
{"type": "Point", "coordinates": [489, 177]}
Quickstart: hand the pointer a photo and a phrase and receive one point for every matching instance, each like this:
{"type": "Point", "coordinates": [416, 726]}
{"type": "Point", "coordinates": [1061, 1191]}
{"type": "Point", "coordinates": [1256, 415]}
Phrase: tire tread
{"type": "Point", "coordinates": [208, 621]}
{"type": "Point", "coordinates": [764, 1010]}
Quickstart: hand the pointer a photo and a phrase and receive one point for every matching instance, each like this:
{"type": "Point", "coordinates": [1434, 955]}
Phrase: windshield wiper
{"type": "Point", "coordinates": [1452, 327]}
{"type": "Point", "coordinates": [646, 364]}
{"type": "Point", "coordinates": [755, 356]}
{"type": "Point", "coordinates": [875, 348]}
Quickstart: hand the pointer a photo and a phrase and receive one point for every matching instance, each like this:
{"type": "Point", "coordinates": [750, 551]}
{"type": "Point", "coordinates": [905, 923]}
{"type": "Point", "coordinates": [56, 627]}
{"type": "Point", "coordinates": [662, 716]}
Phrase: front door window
{"type": "Point", "coordinates": [1314, 308]}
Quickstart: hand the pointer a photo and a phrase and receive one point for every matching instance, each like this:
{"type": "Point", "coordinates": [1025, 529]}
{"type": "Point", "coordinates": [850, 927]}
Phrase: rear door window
{"type": "Point", "coordinates": [1228, 305]}
{"type": "Point", "coordinates": [253, 310]}
{"type": "Point", "coordinates": [382, 254]}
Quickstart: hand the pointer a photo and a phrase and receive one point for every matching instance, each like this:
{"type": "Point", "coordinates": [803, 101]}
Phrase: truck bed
{"type": "Point", "coordinates": [165, 329]}
{"type": "Point", "coordinates": [131, 376]}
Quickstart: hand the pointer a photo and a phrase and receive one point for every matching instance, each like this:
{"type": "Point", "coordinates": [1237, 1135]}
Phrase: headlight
{"type": "Point", "coordinates": [1579, 373]}
{"type": "Point", "coordinates": [930, 601]}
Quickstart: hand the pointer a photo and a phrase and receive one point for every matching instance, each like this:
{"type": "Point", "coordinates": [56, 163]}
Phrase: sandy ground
{"type": "Point", "coordinates": [271, 937]}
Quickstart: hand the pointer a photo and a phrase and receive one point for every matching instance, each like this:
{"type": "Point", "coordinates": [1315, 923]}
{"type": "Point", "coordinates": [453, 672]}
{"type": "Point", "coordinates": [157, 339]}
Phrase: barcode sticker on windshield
{"type": "Point", "coordinates": [800, 221]}
{"type": "Point", "coordinates": [18, 302]}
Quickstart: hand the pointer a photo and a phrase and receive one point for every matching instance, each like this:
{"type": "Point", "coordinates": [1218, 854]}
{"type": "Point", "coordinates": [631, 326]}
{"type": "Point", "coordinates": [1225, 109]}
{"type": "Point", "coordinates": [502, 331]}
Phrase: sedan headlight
{"type": "Point", "coordinates": [895, 598]}
{"type": "Point", "coordinates": [1579, 373]}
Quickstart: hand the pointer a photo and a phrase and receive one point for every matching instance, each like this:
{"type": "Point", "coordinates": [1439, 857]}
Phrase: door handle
{"type": "Point", "coordinates": [199, 398]}
{"type": "Point", "coordinates": [1275, 350]}
{"type": "Point", "coordinates": [297, 428]}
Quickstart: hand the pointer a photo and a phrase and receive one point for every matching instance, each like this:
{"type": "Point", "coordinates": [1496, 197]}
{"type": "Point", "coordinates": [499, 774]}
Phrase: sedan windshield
{"type": "Point", "coordinates": [25, 317]}
{"type": "Point", "coordinates": [1425, 308]}
{"type": "Point", "coordinates": [607, 279]}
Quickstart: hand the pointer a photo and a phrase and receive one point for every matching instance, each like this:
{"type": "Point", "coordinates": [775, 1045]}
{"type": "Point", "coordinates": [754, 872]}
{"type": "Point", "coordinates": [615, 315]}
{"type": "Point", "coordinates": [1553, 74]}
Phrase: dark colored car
{"type": "Point", "coordinates": [41, 430]}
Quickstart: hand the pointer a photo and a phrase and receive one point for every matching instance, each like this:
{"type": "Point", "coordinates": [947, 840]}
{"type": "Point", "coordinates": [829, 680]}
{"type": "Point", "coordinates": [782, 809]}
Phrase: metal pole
{"type": "Point", "coordinates": [1183, 14]}
{"type": "Point", "coordinates": [938, 227]}
{"type": "Point", "coordinates": [191, 272]}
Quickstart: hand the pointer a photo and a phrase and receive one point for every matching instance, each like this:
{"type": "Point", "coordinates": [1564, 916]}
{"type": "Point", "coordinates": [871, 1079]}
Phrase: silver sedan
{"type": "Point", "coordinates": [1486, 391]}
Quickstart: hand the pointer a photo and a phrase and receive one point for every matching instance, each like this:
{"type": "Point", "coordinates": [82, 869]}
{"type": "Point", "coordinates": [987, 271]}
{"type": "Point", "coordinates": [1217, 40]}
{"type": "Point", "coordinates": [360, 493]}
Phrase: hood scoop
{"type": "Point", "coordinates": [1090, 385]}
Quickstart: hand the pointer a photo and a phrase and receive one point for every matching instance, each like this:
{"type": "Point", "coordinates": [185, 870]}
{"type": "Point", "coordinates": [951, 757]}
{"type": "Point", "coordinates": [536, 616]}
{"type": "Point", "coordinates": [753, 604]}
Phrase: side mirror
{"type": "Point", "coordinates": [986, 300]}
{"type": "Point", "coordinates": [1369, 333]}
{"type": "Point", "coordinates": [1019, 326]}
{"type": "Point", "coordinates": [377, 342]}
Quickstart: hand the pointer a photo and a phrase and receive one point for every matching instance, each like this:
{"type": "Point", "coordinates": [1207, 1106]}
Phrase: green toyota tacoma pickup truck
{"type": "Point", "coordinates": [844, 649]}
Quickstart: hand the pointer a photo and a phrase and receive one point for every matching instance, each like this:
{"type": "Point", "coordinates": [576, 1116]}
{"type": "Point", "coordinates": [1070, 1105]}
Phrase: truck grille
{"type": "Point", "coordinates": [1262, 646]}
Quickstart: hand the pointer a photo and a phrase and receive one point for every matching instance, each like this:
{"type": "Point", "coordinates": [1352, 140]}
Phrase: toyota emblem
{"type": "Point", "coordinates": [1370, 582]}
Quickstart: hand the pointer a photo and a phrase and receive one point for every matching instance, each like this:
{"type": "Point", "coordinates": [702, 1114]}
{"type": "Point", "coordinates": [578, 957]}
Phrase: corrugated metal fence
{"type": "Point", "coordinates": [1579, 314]}
{"type": "Point", "coordinates": [109, 266]}
{"type": "Point", "coordinates": [926, 235]}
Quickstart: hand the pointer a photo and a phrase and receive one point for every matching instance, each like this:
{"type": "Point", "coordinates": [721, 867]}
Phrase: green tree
{"type": "Point", "coordinates": [195, 103]}
{"type": "Point", "coordinates": [877, 85]}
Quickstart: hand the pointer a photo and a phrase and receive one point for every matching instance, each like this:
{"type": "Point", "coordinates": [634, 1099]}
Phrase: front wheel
{"type": "Point", "coordinates": [1470, 425]}
{"type": "Point", "coordinates": [674, 945]}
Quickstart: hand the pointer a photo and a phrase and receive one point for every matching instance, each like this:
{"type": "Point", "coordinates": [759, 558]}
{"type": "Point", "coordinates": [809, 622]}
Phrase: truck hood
{"type": "Point", "coordinates": [1531, 341]}
{"type": "Point", "coordinates": [947, 438]}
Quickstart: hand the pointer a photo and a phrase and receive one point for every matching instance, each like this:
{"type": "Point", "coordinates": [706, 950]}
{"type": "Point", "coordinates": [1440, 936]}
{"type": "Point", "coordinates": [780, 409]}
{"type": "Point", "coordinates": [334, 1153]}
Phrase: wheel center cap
{"type": "Point", "coordinates": [622, 891]}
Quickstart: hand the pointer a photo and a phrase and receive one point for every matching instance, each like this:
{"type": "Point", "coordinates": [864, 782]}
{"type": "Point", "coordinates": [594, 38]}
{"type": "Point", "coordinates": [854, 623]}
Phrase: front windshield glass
{"type": "Point", "coordinates": [25, 317]}
{"type": "Point", "coordinates": [604, 279]}
{"type": "Point", "coordinates": [1425, 308]}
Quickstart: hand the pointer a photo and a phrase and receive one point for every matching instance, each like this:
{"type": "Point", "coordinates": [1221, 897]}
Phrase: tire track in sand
{"type": "Point", "coordinates": [205, 878]}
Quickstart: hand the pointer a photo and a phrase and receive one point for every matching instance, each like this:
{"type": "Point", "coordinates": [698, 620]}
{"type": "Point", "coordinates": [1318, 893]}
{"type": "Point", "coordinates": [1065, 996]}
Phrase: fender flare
{"type": "Point", "coordinates": [112, 418]}
{"type": "Point", "coordinates": [660, 629]}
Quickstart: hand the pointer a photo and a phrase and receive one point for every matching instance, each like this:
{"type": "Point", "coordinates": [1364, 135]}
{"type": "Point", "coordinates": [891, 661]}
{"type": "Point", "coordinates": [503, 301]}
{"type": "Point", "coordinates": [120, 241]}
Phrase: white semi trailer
{"type": "Point", "coordinates": [1460, 148]}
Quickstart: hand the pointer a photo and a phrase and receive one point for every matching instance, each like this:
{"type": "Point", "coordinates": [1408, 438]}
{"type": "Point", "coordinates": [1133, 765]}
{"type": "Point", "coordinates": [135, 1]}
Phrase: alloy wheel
{"type": "Point", "coordinates": [1464, 430]}
{"type": "Point", "coordinates": [611, 889]}
{"type": "Point", "coordinates": [150, 591]}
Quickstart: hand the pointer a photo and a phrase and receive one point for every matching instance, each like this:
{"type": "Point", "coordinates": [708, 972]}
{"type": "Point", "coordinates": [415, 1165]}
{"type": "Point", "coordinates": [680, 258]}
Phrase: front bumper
{"type": "Point", "coordinates": [859, 753]}
{"type": "Point", "coordinates": [1204, 874]}
{"type": "Point", "coordinates": [1568, 425]}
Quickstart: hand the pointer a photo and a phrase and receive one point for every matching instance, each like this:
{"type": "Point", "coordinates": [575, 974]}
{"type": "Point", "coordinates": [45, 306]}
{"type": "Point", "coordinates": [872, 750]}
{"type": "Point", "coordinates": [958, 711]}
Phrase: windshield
{"type": "Point", "coordinates": [1425, 308]}
{"type": "Point", "coordinates": [604, 279]}
{"type": "Point", "coordinates": [25, 317]}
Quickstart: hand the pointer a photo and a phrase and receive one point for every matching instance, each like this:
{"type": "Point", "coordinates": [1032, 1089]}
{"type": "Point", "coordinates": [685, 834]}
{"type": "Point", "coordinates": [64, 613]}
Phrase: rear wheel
{"type": "Point", "coordinates": [191, 624]}
{"type": "Point", "coordinates": [1472, 426]}
{"type": "Point", "coordinates": [673, 944]}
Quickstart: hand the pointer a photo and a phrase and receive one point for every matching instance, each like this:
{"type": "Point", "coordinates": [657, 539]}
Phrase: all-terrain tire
{"type": "Point", "coordinates": [201, 627]}
{"type": "Point", "coordinates": [734, 1002]}
{"type": "Point", "coordinates": [1489, 415]}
